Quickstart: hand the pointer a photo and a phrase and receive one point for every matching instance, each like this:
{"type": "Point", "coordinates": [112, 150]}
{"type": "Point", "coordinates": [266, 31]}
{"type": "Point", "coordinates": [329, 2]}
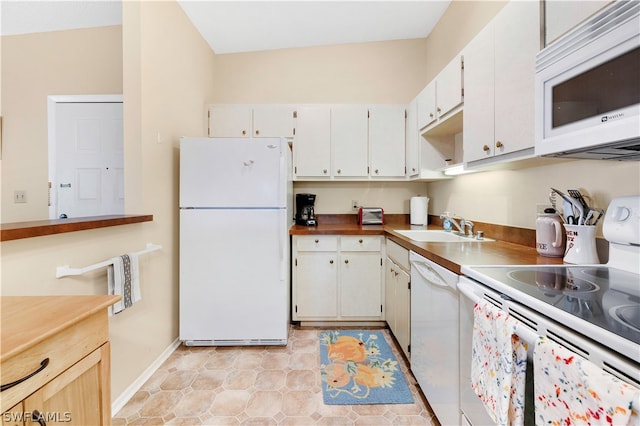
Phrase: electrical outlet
{"type": "Point", "coordinates": [355, 205]}
{"type": "Point", "coordinates": [19, 196]}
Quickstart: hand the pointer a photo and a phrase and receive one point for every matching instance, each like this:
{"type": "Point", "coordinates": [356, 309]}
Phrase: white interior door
{"type": "Point", "coordinates": [86, 158]}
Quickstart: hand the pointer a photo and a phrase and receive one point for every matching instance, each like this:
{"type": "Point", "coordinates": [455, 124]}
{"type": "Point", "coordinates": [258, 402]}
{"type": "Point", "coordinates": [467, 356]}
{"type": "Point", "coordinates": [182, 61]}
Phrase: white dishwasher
{"type": "Point", "coordinates": [434, 336]}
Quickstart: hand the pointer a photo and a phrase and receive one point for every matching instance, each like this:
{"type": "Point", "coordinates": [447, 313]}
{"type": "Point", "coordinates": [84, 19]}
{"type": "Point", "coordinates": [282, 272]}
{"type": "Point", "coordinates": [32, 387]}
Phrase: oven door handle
{"type": "Point", "coordinates": [528, 334]}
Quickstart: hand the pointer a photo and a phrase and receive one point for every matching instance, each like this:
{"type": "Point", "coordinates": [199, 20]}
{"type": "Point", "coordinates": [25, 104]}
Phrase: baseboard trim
{"type": "Point", "coordinates": [134, 387]}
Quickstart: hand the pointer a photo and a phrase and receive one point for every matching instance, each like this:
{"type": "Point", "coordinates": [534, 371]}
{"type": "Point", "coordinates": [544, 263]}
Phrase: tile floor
{"type": "Point", "coordinates": [266, 385]}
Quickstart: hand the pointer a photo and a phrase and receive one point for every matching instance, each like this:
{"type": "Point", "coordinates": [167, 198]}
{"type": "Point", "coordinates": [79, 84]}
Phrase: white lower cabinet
{"type": "Point", "coordinates": [398, 294]}
{"type": "Point", "coordinates": [337, 278]}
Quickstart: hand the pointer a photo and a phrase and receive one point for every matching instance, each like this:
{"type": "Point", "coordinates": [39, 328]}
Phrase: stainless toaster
{"type": "Point", "coordinates": [371, 216]}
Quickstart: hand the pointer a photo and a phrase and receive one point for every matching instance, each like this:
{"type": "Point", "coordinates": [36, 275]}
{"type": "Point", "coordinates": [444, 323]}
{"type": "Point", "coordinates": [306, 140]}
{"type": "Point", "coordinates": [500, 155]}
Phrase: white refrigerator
{"type": "Point", "coordinates": [235, 214]}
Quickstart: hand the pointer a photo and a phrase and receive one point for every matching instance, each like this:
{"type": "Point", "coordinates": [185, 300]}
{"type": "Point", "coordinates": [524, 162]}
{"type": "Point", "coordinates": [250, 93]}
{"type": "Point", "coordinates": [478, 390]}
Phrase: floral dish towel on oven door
{"type": "Point", "coordinates": [570, 390]}
{"type": "Point", "coordinates": [498, 364]}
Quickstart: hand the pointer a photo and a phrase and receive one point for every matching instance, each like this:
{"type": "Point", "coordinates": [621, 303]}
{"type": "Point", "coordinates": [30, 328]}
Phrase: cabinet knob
{"type": "Point", "coordinates": [486, 148]}
{"type": "Point", "coordinates": [316, 241]}
{"type": "Point", "coordinates": [499, 144]}
{"type": "Point", "coordinates": [438, 109]}
{"type": "Point", "coordinates": [339, 171]}
{"type": "Point", "coordinates": [430, 115]}
{"type": "Point", "coordinates": [324, 171]}
{"type": "Point", "coordinates": [244, 132]}
{"type": "Point", "coordinates": [360, 240]}
{"type": "Point", "coordinates": [346, 261]}
{"type": "Point", "coordinates": [257, 132]}
{"type": "Point", "coordinates": [377, 171]}
{"type": "Point", "coordinates": [331, 261]}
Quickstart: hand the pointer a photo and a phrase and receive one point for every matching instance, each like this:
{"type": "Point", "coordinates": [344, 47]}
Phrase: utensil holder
{"type": "Point", "coordinates": [581, 245]}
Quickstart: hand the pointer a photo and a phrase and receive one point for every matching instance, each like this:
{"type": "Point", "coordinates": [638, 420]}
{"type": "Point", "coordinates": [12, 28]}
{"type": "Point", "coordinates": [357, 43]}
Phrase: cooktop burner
{"type": "Point", "coordinates": [606, 297]}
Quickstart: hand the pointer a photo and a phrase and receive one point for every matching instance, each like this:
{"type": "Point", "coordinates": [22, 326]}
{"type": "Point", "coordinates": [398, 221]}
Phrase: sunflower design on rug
{"type": "Point", "coordinates": [355, 364]}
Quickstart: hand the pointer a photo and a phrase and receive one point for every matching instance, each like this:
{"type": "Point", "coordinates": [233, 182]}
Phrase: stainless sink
{"type": "Point", "coordinates": [437, 236]}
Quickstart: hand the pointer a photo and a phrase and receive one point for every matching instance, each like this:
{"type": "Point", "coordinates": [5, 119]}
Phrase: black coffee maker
{"type": "Point", "coordinates": [304, 210]}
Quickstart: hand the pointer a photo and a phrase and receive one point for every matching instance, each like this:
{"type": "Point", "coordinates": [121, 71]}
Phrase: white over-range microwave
{"type": "Point", "coordinates": [588, 88]}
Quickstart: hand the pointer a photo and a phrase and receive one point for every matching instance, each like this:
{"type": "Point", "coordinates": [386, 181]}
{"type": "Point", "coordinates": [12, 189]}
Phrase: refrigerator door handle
{"type": "Point", "coordinates": [283, 247]}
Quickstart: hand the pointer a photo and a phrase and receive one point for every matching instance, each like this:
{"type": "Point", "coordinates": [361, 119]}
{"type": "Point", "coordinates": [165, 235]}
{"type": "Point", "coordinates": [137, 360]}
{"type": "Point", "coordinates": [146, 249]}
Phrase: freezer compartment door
{"type": "Point", "coordinates": [233, 172]}
{"type": "Point", "coordinates": [234, 276]}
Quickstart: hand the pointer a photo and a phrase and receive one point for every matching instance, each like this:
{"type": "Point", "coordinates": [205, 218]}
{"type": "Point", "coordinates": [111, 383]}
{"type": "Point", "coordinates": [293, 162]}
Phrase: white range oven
{"type": "Point", "coordinates": [592, 310]}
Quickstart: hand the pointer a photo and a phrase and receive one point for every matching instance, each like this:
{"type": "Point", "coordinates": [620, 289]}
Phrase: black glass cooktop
{"type": "Point", "coordinates": [603, 296]}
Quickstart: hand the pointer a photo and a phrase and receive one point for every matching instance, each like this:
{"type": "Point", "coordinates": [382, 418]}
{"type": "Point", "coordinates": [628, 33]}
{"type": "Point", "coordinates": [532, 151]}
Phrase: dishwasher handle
{"type": "Point", "coordinates": [430, 274]}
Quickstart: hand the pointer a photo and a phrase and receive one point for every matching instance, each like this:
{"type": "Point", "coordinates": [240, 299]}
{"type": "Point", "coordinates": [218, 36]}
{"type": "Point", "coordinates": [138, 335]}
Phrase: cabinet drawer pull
{"type": "Point", "coordinates": [43, 365]}
{"type": "Point", "coordinates": [38, 417]}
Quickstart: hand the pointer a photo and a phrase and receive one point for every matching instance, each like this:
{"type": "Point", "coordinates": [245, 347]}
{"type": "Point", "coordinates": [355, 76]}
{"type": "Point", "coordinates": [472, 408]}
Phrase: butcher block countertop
{"type": "Point", "coordinates": [513, 246]}
{"type": "Point", "coordinates": [29, 320]}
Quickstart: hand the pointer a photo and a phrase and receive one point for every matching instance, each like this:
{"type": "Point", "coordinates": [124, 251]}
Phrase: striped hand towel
{"type": "Point", "coordinates": [123, 279]}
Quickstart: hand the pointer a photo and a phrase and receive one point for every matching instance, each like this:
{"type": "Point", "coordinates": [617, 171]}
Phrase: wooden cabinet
{"type": "Point", "coordinates": [499, 83]}
{"type": "Point", "coordinates": [60, 345]}
{"type": "Point", "coordinates": [312, 142]}
{"type": "Point", "coordinates": [398, 294]}
{"type": "Point", "coordinates": [387, 140]}
{"type": "Point", "coordinates": [337, 278]}
{"type": "Point", "coordinates": [258, 121]}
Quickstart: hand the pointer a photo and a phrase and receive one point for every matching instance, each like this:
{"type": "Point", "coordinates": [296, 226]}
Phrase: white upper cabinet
{"type": "Point", "coordinates": [426, 105]}
{"type": "Point", "coordinates": [442, 95]}
{"type": "Point", "coordinates": [312, 142]}
{"type": "Point", "coordinates": [412, 140]}
{"type": "Point", "coordinates": [499, 83]}
{"type": "Point", "coordinates": [449, 87]}
{"type": "Point", "coordinates": [259, 121]}
{"type": "Point", "coordinates": [272, 121]}
{"type": "Point", "coordinates": [387, 141]}
{"type": "Point", "coordinates": [562, 16]}
{"type": "Point", "coordinates": [349, 141]}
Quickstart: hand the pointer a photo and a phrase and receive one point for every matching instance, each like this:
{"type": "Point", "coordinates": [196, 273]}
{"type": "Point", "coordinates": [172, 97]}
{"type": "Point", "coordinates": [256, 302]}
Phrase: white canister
{"type": "Point", "coordinates": [419, 207]}
{"type": "Point", "coordinates": [581, 245]}
{"type": "Point", "coordinates": [549, 235]}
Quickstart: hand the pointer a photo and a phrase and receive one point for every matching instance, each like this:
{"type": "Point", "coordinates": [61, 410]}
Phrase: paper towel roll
{"type": "Point", "coordinates": [419, 206]}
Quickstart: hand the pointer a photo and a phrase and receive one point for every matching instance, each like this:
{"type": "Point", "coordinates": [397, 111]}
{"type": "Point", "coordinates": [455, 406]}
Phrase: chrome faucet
{"type": "Point", "coordinates": [461, 226]}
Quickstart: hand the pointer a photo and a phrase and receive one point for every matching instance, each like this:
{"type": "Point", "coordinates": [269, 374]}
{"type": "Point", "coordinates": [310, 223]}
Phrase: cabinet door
{"type": "Point", "coordinates": [312, 142]}
{"type": "Point", "coordinates": [449, 87]}
{"type": "Point", "coordinates": [14, 416]}
{"type": "Point", "coordinates": [478, 115]}
{"type": "Point", "coordinates": [349, 141]}
{"type": "Point", "coordinates": [390, 312]}
{"type": "Point", "coordinates": [517, 41]}
{"type": "Point", "coordinates": [272, 121]}
{"type": "Point", "coordinates": [230, 121]}
{"type": "Point", "coordinates": [427, 105]}
{"type": "Point", "coordinates": [79, 396]}
{"type": "Point", "coordinates": [386, 141]}
{"type": "Point", "coordinates": [361, 285]}
{"type": "Point", "coordinates": [412, 140]}
{"type": "Point", "coordinates": [402, 302]}
{"type": "Point", "coordinates": [315, 283]}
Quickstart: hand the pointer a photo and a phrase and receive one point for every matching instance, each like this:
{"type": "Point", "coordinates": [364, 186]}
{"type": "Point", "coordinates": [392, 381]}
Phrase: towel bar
{"type": "Point", "coordinates": [63, 271]}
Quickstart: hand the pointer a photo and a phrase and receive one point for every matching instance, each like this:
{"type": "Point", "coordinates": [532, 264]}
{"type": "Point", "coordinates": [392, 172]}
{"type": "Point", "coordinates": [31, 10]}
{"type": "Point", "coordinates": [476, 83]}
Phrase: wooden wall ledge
{"type": "Point", "coordinates": [38, 228]}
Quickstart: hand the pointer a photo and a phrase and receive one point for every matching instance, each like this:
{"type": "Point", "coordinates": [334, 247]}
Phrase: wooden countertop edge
{"type": "Point", "coordinates": [39, 228]}
{"type": "Point", "coordinates": [519, 251]}
{"type": "Point", "coordinates": [18, 307]}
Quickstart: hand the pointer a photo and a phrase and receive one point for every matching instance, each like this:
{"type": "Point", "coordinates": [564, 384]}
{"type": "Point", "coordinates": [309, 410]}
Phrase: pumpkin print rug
{"type": "Point", "coordinates": [358, 367]}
